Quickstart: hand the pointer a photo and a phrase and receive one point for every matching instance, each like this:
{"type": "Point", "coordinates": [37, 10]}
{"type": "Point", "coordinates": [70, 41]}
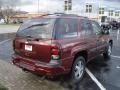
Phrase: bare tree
{"type": "Point", "coordinates": [0, 9]}
{"type": "Point", "coordinates": [7, 13]}
{"type": "Point", "coordinates": [7, 9]}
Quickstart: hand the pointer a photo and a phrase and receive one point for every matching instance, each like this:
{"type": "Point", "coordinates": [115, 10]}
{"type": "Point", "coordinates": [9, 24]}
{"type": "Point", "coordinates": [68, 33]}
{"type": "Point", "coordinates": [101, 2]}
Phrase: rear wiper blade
{"type": "Point", "coordinates": [41, 24]}
{"type": "Point", "coordinates": [28, 36]}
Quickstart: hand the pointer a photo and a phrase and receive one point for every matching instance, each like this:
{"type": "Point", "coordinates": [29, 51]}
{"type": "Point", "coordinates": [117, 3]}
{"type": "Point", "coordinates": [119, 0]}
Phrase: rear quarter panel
{"type": "Point", "coordinates": [69, 48]}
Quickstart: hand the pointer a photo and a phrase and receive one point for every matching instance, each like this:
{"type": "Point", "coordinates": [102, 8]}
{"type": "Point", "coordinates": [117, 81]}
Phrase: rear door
{"type": "Point", "coordinates": [67, 36]}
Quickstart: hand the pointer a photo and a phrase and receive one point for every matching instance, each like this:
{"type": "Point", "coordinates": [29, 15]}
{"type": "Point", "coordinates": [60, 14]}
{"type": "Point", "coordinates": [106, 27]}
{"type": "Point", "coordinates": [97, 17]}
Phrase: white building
{"type": "Point", "coordinates": [97, 10]}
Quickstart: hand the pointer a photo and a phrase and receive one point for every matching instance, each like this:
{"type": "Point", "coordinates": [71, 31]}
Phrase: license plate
{"type": "Point", "coordinates": [28, 47]}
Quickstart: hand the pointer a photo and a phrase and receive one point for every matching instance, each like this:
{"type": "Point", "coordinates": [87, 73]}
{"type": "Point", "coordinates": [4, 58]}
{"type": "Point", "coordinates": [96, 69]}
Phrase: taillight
{"type": "Point", "coordinates": [55, 53]}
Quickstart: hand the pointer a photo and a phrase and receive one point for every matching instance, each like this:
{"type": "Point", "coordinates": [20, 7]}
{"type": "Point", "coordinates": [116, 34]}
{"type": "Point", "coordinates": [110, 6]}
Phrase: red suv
{"type": "Point", "coordinates": [59, 44]}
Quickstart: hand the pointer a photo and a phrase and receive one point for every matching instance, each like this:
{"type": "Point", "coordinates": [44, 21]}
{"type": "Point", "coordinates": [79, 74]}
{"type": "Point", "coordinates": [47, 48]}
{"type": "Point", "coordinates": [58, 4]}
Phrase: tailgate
{"type": "Point", "coordinates": [35, 50]}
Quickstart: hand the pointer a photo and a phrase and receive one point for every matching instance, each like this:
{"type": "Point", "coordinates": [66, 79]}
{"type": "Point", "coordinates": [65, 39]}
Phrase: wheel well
{"type": "Point", "coordinates": [82, 53]}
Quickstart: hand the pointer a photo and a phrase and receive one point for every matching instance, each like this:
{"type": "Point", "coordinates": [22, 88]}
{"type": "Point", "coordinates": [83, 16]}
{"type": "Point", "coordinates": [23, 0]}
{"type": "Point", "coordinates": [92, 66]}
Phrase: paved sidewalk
{"type": "Point", "coordinates": [15, 79]}
{"type": "Point", "coordinates": [9, 28]}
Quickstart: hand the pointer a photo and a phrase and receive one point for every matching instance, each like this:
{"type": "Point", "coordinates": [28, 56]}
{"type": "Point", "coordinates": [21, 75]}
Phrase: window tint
{"type": "Point", "coordinates": [37, 28]}
{"type": "Point", "coordinates": [66, 28]}
{"type": "Point", "coordinates": [86, 27]}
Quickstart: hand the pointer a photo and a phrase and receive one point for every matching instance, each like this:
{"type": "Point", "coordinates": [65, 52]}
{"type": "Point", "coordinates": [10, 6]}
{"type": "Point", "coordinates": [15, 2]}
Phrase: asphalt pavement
{"type": "Point", "coordinates": [106, 71]}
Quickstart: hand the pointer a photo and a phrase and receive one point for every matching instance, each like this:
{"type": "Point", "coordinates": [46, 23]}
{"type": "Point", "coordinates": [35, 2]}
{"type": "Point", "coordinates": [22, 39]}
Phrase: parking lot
{"type": "Point", "coordinates": [100, 73]}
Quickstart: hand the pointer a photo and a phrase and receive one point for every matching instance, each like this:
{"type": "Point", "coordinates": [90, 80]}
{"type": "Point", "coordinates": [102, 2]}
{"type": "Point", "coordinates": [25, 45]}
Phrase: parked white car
{"type": "Point", "coordinates": [2, 21]}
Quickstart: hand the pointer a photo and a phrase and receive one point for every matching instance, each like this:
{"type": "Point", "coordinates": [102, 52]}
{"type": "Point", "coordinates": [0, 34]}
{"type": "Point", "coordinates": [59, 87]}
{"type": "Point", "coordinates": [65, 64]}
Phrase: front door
{"type": "Point", "coordinates": [89, 38]}
{"type": "Point", "coordinates": [101, 42]}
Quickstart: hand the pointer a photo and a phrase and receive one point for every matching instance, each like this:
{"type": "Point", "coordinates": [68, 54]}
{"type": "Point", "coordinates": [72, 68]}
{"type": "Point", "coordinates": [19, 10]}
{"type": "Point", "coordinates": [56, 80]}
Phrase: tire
{"type": "Point", "coordinates": [78, 69]}
{"type": "Point", "coordinates": [108, 52]}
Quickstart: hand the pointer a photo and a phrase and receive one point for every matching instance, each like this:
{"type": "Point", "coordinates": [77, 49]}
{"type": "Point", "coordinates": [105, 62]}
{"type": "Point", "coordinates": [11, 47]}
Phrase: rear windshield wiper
{"type": "Point", "coordinates": [41, 24]}
{"type": "Point", "coordinates": [28, 36]}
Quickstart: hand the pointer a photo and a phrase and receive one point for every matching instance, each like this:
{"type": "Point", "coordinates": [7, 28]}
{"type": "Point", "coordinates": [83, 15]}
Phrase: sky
{"type": "Point", "coordinates": [58, 5]}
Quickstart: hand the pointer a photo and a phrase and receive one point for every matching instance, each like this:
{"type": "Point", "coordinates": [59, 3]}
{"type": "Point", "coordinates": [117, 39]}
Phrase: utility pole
{"type": "Point", "coordinates": [38, 6]}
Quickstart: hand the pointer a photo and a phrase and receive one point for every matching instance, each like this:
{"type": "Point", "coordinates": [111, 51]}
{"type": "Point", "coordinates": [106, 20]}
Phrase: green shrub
{"type": "Point", "coordinates": [3, 88]}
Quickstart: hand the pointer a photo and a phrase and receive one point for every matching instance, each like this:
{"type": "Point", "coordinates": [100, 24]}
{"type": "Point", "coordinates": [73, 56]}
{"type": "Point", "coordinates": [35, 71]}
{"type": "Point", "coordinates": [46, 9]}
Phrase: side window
{"type": "Point", "coordinates": [96, 27]}
{"type": "Point", "coordinates": [66, 28]}
{"type": "Point", "coordinates": [86, 26]}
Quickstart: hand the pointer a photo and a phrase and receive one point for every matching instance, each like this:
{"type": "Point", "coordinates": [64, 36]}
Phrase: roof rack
{"type": "Point", "coordinates": [59, 14]}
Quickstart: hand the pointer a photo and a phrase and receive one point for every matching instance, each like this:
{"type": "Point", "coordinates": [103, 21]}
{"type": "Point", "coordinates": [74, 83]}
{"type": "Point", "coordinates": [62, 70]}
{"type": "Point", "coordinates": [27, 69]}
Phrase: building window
{"type": "Point", "coordinates": [110, 12]}
{"type": "Point", "coordinates": [116, 14]}
{"type": "Point", "coordinates": [88, 8]}
{"type": "Point", "coordinates": [101, 10]}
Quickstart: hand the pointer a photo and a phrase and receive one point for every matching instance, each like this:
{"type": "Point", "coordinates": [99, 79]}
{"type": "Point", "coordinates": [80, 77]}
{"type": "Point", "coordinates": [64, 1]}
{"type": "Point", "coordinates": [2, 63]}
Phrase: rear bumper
{"type": "Point", "coordinates": [38, 67]}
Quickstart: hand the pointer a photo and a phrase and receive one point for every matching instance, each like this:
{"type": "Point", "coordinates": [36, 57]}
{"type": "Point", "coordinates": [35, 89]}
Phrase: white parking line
{"type": "Point", "coordinates": [118, 67]}
{"type": "Point", "coordinates": [115, 56]}
{"type": "Point", "coordinates": [4, 41]}
{"type": "Point", "coordinates": [118, 32]}
{"type": "Point", "coordinates": [95, 80]}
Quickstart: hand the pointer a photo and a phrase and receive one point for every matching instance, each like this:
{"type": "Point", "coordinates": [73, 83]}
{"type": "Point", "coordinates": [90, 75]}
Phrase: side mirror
{"type": "Point", "coordinates": [105, 30]}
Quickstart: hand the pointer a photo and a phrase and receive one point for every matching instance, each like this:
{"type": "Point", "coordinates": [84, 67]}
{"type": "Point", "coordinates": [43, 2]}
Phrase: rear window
{"type": "Point", "coordinates": [37, 28]}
